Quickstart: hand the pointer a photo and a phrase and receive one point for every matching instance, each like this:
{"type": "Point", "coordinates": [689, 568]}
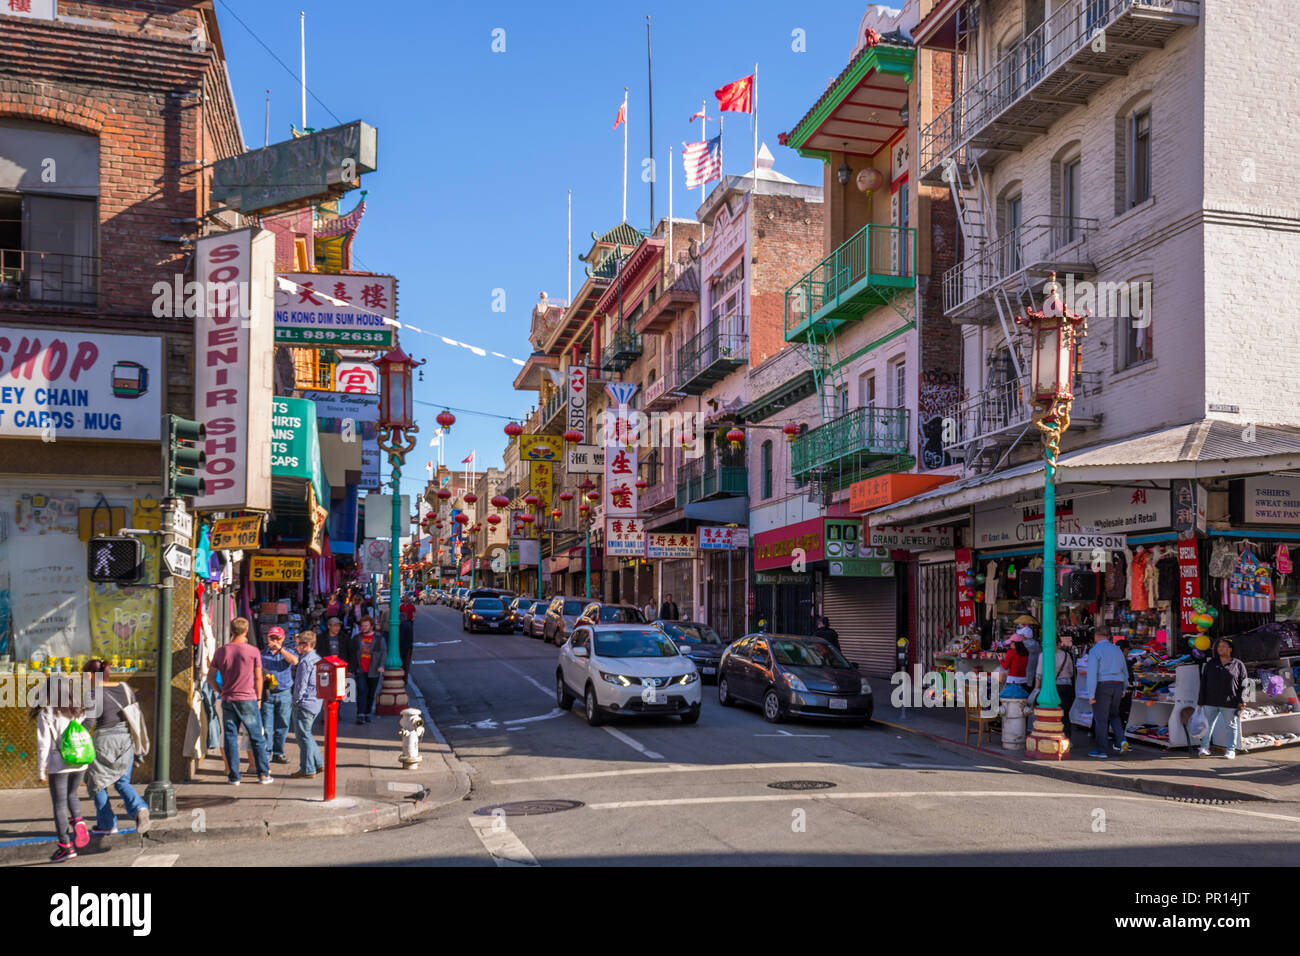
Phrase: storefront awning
{"type": "Point", "coordinates": [1209, 448]}
{"type": "Point", "coordinates": [720, 511]}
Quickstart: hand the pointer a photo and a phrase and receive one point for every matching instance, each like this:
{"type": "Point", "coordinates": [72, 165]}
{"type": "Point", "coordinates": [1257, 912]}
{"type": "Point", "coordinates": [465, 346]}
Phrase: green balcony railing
{"type": "Point", "coordinates": [858, 436]}
{"type": "Point", "coordinates": [702, 478]}
{"type": "Point", "coordinates": [865, 272]}
{"type": "Point", "coordinates": [621, 351]}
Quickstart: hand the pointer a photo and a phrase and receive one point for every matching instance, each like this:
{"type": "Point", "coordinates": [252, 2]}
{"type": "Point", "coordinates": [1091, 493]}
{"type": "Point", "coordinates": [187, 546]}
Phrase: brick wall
{"type": "Point", "coordinates": [787, 243]}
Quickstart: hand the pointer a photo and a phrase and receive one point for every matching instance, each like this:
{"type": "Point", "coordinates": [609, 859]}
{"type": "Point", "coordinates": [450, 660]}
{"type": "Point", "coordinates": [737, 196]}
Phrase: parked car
{"type": "Point", "coordinates": [532, 617]}
{"type": "Point", "coordinates": [459, 602]}
{"type": "Point", "coordinates": [515, 609]}
{"type": "Point", "coordinates": [486, 614]}
{"type": "Point", "coordinates": [483, 592]}
{"type": "Point", "coordinates": [701, 643]}
{"type": "Point", "coordinates": [793, 676]}
{"type": "Point", "coordinates": [622, 669]}
{"type": "Point", "coordinates": [597, 612]}
{"type": "Point", "coordinates": [561, 616]}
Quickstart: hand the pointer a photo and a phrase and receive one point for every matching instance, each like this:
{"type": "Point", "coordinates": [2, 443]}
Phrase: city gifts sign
{"type": "Point", "coordinates": [776, 549]}
{"type": "Point", "coordinates": [1118, 510]}
{"type": "Point", "coordinates": [313, 308]}
{"type": "Point", "coordinates": [79, 385]}
{"type": "Point", "coordinates": [233, 376]}
{"type": "Point", "coordinates": [297, 172]}
{"type": "Point", "coordinates": [658, 545]}
{"type": "Point", "coordinates": [578, 399]}
{"type": "Point", "coordinates": [540, 447]}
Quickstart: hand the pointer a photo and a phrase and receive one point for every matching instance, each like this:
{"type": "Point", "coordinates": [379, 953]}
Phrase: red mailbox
{"type": "Point", "coordinates": [331, 678]}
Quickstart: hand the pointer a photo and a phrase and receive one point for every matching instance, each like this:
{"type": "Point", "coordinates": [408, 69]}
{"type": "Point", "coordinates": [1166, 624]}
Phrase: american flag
{"type": "Point", "coordinates": [703, 162]}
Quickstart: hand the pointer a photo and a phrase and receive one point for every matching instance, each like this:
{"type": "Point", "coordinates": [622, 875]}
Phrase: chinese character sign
{"type": "Point", "coordinates": [625, 537]}
{"type": "Point", "coordinates": [313, 308]}
{"type": "Point", "coordinates": [620, 482]}
{"type": "Point", "coordinates": [359, 378]}
{"type": "Point", "coordinates": [670, 545]}
{"type": "Point", "coordinates": [721, 539]}
{"type": "Point", "coordinates": [540, 480]}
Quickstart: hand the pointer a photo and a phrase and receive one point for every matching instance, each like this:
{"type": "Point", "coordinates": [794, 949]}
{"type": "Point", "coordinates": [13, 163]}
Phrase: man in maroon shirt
{"type": "Point", "coordinates": [240, 666]}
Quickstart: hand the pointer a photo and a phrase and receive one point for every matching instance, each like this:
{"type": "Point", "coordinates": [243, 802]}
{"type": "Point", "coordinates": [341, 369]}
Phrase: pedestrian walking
{"type": "Point", "coordinates": [1107, 676]}
{"type": "Point", "coordinates": [366, 655]}
{"type": "Point", "coordinates": [826, 632]}
{"type": "Point", "coordinates": [277, 695]}
{"type": "Point", "coordinates": [63, 750]}
{"type": "Point", "coordinates": [669, 611]}
{"type": "Point", "coordinates": [306, 706]}
{"type": "Point", "coordinates": [333, 643]}
{"type": "Point", "coordinates": [239, 666]}
{"type": "Point", "coordinates": [1223, 686]}
{"type": "Point", "coordinates": [115, 753]}
{"type": "Point", "coordinates": [335, 606]}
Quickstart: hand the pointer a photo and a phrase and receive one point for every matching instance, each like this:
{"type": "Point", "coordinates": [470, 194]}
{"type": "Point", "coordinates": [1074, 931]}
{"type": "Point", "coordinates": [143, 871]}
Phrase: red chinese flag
{"type": "Point", "coordinates": [622, 115]}
{"type": "Point", "coordinates": [737, 97]}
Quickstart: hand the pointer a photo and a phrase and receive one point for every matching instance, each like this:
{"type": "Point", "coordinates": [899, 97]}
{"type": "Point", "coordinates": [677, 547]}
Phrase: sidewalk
{"type": "Point", "coordinates": [1269, 775]}
{"type": "Point", "coordinates": [372, 791]}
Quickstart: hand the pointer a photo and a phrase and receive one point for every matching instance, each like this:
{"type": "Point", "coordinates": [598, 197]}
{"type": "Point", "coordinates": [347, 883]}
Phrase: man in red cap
{"type": "Point", "coordinates": [277, 703]}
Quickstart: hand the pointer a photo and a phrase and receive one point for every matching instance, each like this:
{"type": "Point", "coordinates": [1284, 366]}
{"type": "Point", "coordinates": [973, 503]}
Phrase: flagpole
{"type": "Point", "coordinates": [302, 62]}
{"type": "Point", "coordinates": [650, 93]}
{"type": "Point", "coordinates": [568, 257]}
{"type": "Point", "coordinates": [753, 94]}
{"type": "Point", "coordinates": [670, 212]}
{"type": "Point", "coordinates": [625, 154]}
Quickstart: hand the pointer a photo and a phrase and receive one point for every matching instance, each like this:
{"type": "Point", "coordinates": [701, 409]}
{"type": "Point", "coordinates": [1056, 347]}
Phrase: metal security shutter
{"type": "Point", "coordinates": [936, 610]}
{"type": "Point", "coordinates": [863, 613]}
{"type": "Point", "coordinates": [677, 581]}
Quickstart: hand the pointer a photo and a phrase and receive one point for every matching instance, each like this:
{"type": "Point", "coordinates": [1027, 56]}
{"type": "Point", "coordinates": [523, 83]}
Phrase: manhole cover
{"type": "Point", "coordinates": [801, 785]}
{"type": "Point", "coordinates": [195, 803]}
{"type": "Point", "coordinates": [530, 808]}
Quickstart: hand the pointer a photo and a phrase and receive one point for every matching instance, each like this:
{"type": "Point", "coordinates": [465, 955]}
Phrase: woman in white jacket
{"type": "Point", "coordinates": [64, 779]}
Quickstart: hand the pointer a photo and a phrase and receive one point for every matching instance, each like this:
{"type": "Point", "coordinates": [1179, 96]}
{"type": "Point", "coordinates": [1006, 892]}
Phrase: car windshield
{"type": "Point", "coordinates": [807, 654]}
{"type": "Point", "coordinates": [638, 643]}
{"type": "Point", "coordinates": [692, 633]}
{"type": "Point", "coordinates": [487, 604]}
{"type": "Point", "coordinates": [573, 608]}
{"type": "Point", "coordinates": [621, 615]}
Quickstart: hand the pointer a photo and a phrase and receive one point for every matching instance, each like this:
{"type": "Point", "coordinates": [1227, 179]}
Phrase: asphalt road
{"type": "Point", "coordinates": [654, 791]}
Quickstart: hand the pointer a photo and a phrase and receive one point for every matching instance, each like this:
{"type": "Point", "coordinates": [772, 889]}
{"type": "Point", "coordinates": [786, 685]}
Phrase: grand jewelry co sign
{"type": "Point", "coordinates": [57, 384]}
{"type": "Point", "coordinates": [233, 376]}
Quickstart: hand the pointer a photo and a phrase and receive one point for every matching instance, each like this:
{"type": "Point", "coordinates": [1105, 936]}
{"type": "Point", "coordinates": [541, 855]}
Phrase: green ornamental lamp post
{"type": "Point", "coordinates": [396, 430]}
{"type": "Point", "coordinates": [1056, 332]}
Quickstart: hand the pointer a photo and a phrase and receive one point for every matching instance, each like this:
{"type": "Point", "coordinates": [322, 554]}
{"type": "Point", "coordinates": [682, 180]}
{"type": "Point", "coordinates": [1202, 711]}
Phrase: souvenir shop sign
{"type": "Point", "coordinates": [659, 545]}
{"type": "Point", "coordinates": [540, 447]}
{"type": "Point", "coordinates": [235, 534]}
{"type": "Point", "coordinates": [233, 375]}
{"type": "Point", "coordinates": [1020, 521]}
{"type": "Point", "coordinates": [721, 539]}
{"type": "Point", "coordinates": [624, 537]}
{"type": "Point", "coordinates": [911, 539]}
{"type": "Point", "coordinates": [1189, 582]}
{"type": "Point", "coordinates": [965, 588]}
{"type": "Point", "coordinates": [314, 308]}
{"type": "Point", "coordinates": [277, 569]}
{"type": "Point", "coordinates": [1270, 500]}
{"type": "Point", "coordinates": [79, 385]}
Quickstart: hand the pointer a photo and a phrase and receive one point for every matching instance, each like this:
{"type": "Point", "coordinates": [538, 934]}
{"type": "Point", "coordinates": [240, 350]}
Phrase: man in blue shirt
{"type": "Point", "coordinates": [306, 707]}
{"type": "Point", "coordinates": [277, 662]}
{"type": "Point", "coordinates": [1107, 677]}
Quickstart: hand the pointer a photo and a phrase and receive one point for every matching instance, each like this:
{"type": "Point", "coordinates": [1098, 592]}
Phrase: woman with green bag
{"type": "Point", "coordinates": [63, 751]}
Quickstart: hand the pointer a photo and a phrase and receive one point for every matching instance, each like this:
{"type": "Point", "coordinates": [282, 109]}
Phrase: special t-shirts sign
{"type": "Point", "coordinates": [56, 384]}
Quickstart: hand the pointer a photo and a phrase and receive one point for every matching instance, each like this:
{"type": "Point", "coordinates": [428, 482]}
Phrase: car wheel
{"type": "Point", "coordinates": [772, 707]}
{"type": "Point", "coordinates": [724, 695]}
{"type": "Point", "coordinates": [563, 699]}
{"type": "Point", "coordinates": [594, 715]}
{"type": "Point", "coordinates": [692, 715]}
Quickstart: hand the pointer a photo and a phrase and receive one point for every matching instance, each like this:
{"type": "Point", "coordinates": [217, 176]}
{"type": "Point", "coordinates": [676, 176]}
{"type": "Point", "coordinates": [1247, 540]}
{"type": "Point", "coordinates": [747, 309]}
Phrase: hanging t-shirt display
{"type": "Point", "coordinates": [1250, 586]}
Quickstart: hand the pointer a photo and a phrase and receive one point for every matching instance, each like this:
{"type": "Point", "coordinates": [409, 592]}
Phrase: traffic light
{"type": "Point", "coordinates": [115, 560]}
{"type": "Point", "coordinates": [182, 456]}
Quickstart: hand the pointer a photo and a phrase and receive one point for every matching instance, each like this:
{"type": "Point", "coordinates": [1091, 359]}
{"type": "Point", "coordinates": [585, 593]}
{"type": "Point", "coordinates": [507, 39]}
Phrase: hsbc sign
{"type": "Point", "coordinates": [578, 399]}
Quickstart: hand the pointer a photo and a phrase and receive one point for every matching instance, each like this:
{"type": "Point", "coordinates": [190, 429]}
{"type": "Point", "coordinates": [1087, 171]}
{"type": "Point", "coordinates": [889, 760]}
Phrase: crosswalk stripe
{"type": "Point", "coordinates": [502, 845]}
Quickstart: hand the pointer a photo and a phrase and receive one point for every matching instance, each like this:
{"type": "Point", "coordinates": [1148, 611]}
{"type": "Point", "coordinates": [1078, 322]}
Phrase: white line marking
{"type": "Point", "coordinates": [429, 661]}
{"type": "Point", "coordinates": [634, 744]}
{"type": "Point", "coordinates": [156, 859]}
{"type": "Point", "coordinates": [556, 712]}
{"type": "Point", "coordinates": [436, 643]}
{"type": "Point", "coordinates": [696, 768]}
{"type": "Point", "coordinates": [786, 733]}
{"type": "Point", "coordinates": [502, 845]}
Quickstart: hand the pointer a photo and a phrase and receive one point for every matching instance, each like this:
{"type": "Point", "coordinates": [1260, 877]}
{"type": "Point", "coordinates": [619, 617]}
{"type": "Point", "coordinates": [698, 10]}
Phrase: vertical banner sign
{"type": "Point", "coordinates": [965, 591]}
{"type": "Point", "coordinates": [233, 355]}
{"type": "Point", "coordinates": [620, 496]}
{"type": "Point", "coordinates": [578, 399]}
{"type": "Point", "coordinates": [1189, 582]}
{"type": "Point", "coordinates": [540, 474]}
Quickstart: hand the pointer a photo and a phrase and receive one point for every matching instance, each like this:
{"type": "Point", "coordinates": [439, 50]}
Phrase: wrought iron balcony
{"type": "Point", "coordinates": [714, 353]}
{"type": "Point", "coordinates": [1059, 65]}
{"type": "Point", "coordinates": [48, 278]}
{"type": "Point", "coordinates": [656, 495]}
{"type": "Point", "coordinates": [621, 351]}
{"type": "Point", "coordinates": [553, 407]}
{"type": "Point", "coordinates": [703, 478]}
{"type": "Point", "coordinates": [1002, 408]}
{"type": "Point", "coordinates": [1040, 245]}
{"type": "Point", "coordinates": [854, 439]}
{"type": "Point", "coordinates": [865, 272]}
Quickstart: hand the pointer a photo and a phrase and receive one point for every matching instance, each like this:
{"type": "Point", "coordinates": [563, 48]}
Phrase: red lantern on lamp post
{"type": "Point", "coordinates": [462, 518]}
{"type": "Point", "coordinates": [641, 484]}
{"type": "Point", "coordinates": [593, 496]}
{"type": "Point", "coordinates": [527, 517]}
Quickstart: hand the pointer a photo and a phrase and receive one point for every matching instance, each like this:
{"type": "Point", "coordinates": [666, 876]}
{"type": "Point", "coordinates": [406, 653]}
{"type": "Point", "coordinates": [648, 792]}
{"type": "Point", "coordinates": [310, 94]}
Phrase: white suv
{"type": "Point", "coordinates": [626, 669]}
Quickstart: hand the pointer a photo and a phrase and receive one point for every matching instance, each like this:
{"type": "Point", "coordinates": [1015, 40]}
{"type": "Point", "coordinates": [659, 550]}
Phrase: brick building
{"type": "Point", "coordinates": [110, 115]}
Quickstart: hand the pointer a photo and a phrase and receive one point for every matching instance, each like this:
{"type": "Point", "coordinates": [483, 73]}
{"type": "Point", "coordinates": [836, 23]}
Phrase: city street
{"type": "Point", "coordinates": [656, 792]}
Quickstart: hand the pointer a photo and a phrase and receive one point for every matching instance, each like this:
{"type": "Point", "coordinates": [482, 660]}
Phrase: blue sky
{"type": "Point", "coordinates": [478, 148]}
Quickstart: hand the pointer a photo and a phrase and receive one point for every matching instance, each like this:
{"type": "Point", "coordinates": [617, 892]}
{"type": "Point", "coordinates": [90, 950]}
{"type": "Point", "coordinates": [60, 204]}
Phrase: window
{"type": "Point", "coordinates": [898, 384]}
{"type": "Point", "coordinates": [867, 390]}
{"type": "Point", "coordinates": [1137, 325]}
{"type": "Point", "coordinates": [767, 469]}
{"type": "Point", "coordinates": [1139, 164]}
{"type": "Point", "coordinates": [1011, 250]}
{"type": "Point", "coordinates": [1034, 10]}
{"type": "Point", "coordinates": [842, 399]}
{"type": "Point", "coordinates": [1071, 198]}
